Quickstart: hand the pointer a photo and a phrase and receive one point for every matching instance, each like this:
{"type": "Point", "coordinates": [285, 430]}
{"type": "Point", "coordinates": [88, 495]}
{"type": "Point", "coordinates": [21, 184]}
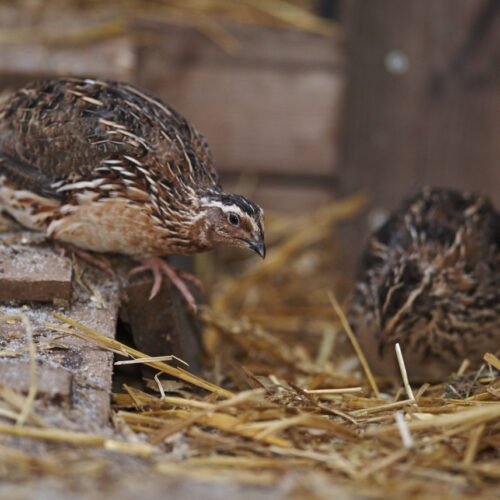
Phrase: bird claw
{"type": "Point", "coordinates": [191, 278]}
{"type": "Point", "coordinates": [159, 268]}
{"type": "Point", "coordinates": [62, 248]}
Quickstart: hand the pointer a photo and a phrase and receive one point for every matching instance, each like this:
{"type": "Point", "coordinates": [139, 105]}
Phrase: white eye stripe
{"type": "Point", "coordinates": [225, 208]}
{"type": "Point", "coordinates": [257, 225]}
{"type": "Point", "coordinates": [231, 209]}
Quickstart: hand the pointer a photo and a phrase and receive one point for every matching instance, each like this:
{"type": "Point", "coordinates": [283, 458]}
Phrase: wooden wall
{"type": "Point", "coordinates": [269, 108]}
{"type": "Point", "coordinates": [422, 100]}
{"type": "Point", "coordinates": [421, 104]}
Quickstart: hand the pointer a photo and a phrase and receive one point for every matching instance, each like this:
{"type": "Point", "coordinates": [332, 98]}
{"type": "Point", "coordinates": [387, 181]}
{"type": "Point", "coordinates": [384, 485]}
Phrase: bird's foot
{"type": "Point", "coordinates": [62, 248]}
{"type": "Point", "coordinates": [159, 268]}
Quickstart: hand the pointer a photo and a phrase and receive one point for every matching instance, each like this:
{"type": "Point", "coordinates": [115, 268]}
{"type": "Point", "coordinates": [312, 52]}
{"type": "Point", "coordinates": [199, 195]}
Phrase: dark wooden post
{"type": "Point", "coordinates": [423, 99]}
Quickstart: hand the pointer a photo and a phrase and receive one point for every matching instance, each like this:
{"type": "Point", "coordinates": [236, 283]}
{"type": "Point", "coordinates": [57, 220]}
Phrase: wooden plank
{"type": "Point", "coordinates": [161, 326]}
{"type": "Point", "coordinates": [89, 368]}
{"type": "Point", "coordinates": [33, 274]}
{"type": "Point", "coordinates": [260, 113]}
{"type": "Point", "coordinates": [93, 367]}
{"type": "Point", "coordinates": [110, 58]}
{"type": "Point", "coordinates": [79, 373]}
{"type": "Point", "coordinates": [53, 383]}
{"type": "Point", "coordinates": [287, 195]}
{"type": "Point", "coordinates": [253, 45]}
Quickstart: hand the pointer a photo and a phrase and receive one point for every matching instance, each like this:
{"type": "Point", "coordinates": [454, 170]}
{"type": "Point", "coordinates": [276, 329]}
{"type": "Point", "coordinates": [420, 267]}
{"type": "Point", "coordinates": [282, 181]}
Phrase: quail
{"type": "Point", "coordinates": [429, 279]}
{"type": "Point", "coordinates": [104, 166]}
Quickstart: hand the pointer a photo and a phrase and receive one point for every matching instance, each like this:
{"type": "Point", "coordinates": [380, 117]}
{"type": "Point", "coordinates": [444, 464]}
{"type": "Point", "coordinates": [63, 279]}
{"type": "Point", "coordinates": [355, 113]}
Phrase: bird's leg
{"type": "Point", "coordinates": [159, 268]}
{"type": "Point", "coordinates": [184, 275]}
{"type": "Point", "coordinates": [61, 249]}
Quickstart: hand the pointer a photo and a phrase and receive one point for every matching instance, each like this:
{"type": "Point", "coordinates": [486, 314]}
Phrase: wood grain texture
{"type": "Point", "coordinates": [270, 107]}
{"type": "Point", "coordinates": [72, 374]}
{"type": "Point", "coordinates": [160, 326]}
{"type": "Point", "coordinates": [438, 121]}
{"type": "Point", "coordinates": [53, 383]}
{"type": "Point", "coordinates": [33, 274]}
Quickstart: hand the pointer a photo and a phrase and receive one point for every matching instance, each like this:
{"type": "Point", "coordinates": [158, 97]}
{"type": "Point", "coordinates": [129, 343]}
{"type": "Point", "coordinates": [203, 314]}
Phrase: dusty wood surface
{"type": "Point", "coordinates": [53, 383]}
{"type": "Point", "coordinates": [71, 373]}
{"type": "Point", "coordinates": [68, 370]}
{"type": "Point", "coordinates": [30, 273]}
{"type": "Point", "coordinates": [64, 362]}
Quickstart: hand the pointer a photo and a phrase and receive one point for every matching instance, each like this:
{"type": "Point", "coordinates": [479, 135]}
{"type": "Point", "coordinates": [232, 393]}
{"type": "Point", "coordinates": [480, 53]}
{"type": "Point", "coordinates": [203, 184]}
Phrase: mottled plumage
{"type": "Point", "coordinates": [107, 167]}
{"type": "Point", "coordinates": [430, 280]}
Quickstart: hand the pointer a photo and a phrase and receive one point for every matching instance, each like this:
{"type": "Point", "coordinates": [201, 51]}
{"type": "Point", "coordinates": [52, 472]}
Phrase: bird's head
{"type": "Point", "coordinates": [231, 220]}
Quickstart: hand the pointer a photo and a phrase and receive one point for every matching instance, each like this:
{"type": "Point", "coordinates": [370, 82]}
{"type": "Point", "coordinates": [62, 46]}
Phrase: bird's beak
{"type": "Point", "coordinates": [258, 246]}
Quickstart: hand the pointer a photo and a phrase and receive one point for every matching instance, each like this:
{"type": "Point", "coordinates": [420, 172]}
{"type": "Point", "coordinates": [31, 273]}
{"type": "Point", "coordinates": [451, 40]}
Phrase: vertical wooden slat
{"type": "Point", "coordinates": [412, 118]}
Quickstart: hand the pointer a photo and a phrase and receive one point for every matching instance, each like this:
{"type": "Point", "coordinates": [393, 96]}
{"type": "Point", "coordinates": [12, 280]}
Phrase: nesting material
{"type": "Point", "coordinates": [115, 18]}
{"type": "Point", "coordinates": [267, 411]}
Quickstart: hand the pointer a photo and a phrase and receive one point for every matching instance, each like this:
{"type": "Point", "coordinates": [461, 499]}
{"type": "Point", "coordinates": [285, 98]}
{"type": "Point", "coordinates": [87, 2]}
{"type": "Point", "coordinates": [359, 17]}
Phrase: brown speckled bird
{"type": "Point", "coordinates": [106, 167]}
{"type": "Point", "coordinates": [430, 280]}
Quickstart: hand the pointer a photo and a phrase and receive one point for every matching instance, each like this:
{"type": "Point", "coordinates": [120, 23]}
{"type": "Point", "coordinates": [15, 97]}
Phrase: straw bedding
{"type": "Point", "coordinates": [279, 407]}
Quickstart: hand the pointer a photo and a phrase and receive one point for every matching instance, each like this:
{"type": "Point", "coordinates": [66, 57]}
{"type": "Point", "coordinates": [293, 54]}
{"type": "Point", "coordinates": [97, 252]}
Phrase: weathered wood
{"type": "Point", "coordinates": [266, 109]}
{"type": "Point", "coordinates": [53, 383]}
{"type": "Point", "coordinates": [161, 326]}
{"type": "Point", "coordinates": [90, 368]}
{"type": "Point", "coordinates": [71, 373]}
{"type": "Point", "coordinates": [33, 274]}
{"type": "Point", "coordinates": [93, 367]}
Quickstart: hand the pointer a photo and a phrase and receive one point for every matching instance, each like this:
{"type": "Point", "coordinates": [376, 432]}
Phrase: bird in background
{"type": "Point", "coordinates": [429, 279]}
{"type": "Point", "coordinates": [103, 166]}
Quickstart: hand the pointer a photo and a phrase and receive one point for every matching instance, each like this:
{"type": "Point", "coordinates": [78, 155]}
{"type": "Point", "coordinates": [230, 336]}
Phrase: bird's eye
{"type": "Point", "coordinates": [233, 219]}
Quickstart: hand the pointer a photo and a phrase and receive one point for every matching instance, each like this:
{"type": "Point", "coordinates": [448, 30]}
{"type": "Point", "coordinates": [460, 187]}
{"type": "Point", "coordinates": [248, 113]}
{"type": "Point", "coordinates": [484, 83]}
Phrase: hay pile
{"type": "Point", "coordinates": [278, 413]}
{"type": "Point", "coordinates": [52, 23]}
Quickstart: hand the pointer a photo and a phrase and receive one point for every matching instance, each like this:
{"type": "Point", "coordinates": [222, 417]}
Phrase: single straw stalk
{"type": "Point", "coordinates": [464, 417]}
{"type": "Point", "coordinates": [77, 439]}
{"type": "Point", "coordinates": [354, 342]}
{"type": "Point", "coordinates": [114, 345]}
{"type": "Point", "coordinates": [404, 374]}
